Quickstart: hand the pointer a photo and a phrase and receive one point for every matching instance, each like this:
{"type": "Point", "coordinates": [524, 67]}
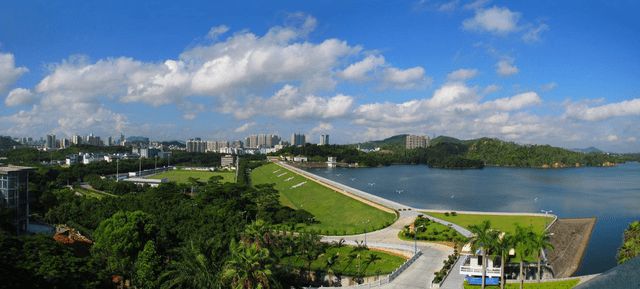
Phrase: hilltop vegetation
{"type": "Point", "coordinates": [448, 152]}
{"type": "Point", "coordinates": [7, 143]}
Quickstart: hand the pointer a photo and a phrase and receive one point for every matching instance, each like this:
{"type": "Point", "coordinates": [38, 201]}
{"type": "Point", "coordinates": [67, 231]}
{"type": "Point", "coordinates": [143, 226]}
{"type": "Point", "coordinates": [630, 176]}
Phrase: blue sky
{"type": "Point", "coordinates": [558, 72]}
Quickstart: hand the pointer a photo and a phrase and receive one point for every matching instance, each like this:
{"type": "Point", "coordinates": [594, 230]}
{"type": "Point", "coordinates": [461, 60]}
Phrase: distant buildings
{"type": "Point", "coordinates": [298, 139]}
{"type": "Point", "coordinates": [196, 145]}
{"type": "Point", "coordinates": [261, 141]}
{"type": "Point", "coordinates": [51, 141]}
{"type": "Point", "coordinates": [416, 141]}
{"type": "Point", "coordinates": [76, 140]}
{"type": "Point", "coordinates": [324, 139]}
{"type": "Point", "coordinates": [93, 140]}
{"type": "Point", "coordinates": [332, 162]}
{"type": "Point", "coordinates": [14, 194]}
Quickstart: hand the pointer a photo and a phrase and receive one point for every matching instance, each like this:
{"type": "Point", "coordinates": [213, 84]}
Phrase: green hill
{"type": "Point", "coordinates": [395, 141]}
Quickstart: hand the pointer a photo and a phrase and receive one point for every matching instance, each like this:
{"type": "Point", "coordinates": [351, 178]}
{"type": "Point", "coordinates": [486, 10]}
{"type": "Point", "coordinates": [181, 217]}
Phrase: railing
{"type": "Point", "coordinates": [478, 270]}
{"type": "Point", "coordinates": [387, 279]}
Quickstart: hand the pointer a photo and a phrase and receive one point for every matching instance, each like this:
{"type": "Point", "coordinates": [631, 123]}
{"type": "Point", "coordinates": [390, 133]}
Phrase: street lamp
{"type": "Point", "coordinates": [546, 212]}
{"type": "Point", "coordinates": [117, 169]}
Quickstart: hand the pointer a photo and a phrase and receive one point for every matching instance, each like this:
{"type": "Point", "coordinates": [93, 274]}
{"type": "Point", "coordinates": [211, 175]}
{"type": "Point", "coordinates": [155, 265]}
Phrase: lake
{"type": "Point", "coordinates": [610, 194]}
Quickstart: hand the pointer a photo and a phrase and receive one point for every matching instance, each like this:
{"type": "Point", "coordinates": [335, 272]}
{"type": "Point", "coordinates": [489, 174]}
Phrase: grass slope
{"type": "Point", "coordinates": [93, 193]}
{"type": "Point", "coordinates": [500, 222]}
{"type": "Point", "coordinates": [349, 265]}
{"type": "Point", "coordinates": [182, 176]}
{"type": "Point", "coordinates": [336, 213]}
{"type": "Point", "coordinates": [564, 284]}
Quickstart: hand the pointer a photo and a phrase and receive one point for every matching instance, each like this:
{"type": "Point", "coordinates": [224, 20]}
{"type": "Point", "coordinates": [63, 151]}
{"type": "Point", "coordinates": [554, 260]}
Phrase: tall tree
{"type": "Point", "coordinates": [193, 270]}
{"type": "Point", "coordinates": [249, 267]}
{"type": "Point", "coordinates": [148, 267]}
{"type": "Point", "coordinates": [502, 246]}
{"type": "Point", "coordinates": [523, 239]}
{"type": "Point", "coordinates": [539, 243]}
{"type": "Point", "coordinates": [483, 238]}
{"type": "Point", "coordinates": [120, 238]}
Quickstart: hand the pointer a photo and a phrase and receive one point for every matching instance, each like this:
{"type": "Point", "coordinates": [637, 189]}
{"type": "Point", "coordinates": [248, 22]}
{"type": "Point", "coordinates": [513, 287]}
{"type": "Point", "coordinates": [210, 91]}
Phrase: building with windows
{"type": "Point", "coordinates": [324, 139]}
{"type": "Point", "coordinates": [51, 141]}
{"type": "Point", "coordinates": [261, 141]}
{"type": "Point", "coordinates": [227, 161]}
{"type": "Point", "coordinates": [76, 140]}
{"type": "Point", "coordinates": [298, 139]}
{"type": "Point", "coordinates": [14, 194]}
{"type": "Point", "coordinates": [416, 141]}
{"type": "Point", "coordinates": [196, 145]}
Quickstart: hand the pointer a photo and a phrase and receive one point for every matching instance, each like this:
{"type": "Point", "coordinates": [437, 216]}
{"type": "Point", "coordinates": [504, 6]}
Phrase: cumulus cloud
{"type": "Point", "coordinates": [505, 67]}
{"type": "Point", "coordinates": [245, 127]}
{"type": "Point", "coordinates": [477, 4]}
{"type": "Point", "coordinates": [497, 20]}
{"type": "Point", "coordinates": [359, 71]}
{"type": "Point", "coordinates": [549, 86]}
{"type": "Point", "coordinates": [596, 113]}
{"type": "Point", "coordinates": [515, 102]}
{"type": "Point", "coordinates": [405, 79]}
{"type": "Point", "coordinates": [322, 127]}
{"type": "Point", "coordinates": [216, 31]}
{"type": "Point", "coordinates": [20, 96]}
{"type": "Point", "coordinates": [612, 138]}
{"type": "Point", "coordinates": [9, 73]}
{"type": "Point", "coordinates": [462, 74]}
{"type": "Point", "coordinates": [534, 33]}
{"type": "Point", "coordinates": [291, 103]}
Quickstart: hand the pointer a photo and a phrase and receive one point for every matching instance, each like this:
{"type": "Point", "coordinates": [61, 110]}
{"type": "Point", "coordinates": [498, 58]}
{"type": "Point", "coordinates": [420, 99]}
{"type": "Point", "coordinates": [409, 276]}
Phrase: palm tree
{"type": "Point", "coordinates": [248, 267]}
{"type": "Point", "coordinates": [483, 238]}
{"type": "Point", "coordinates": [539, 243]}
{"type": "Point", "coordinates": [522, 240]}
{"type": "Point", "coordinates": [258, 233]}
{"type": "Point", "coordinates": [193, 269]}
{"type": "Point", "coordinates": [502, 246]}
{"type": "Point", "coordinates": [331, 261]}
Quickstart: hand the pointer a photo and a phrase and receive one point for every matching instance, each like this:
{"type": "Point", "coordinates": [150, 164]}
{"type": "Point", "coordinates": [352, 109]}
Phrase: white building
{"type": "Point", "coordinates": [300, 159]}
{"type": "Point", "coordinates": [332, 162]}
{"type": "Point", "coordinates": [324, 139]}
{"type": "Point", "coordinates": [227, 161]}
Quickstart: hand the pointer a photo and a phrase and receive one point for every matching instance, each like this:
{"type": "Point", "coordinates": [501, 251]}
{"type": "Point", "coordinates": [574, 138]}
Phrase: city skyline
{"type": "Point", "coordinates": [545, 72]}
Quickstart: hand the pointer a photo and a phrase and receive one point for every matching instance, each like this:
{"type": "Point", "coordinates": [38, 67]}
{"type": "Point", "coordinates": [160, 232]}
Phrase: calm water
{"type": "Point", "coordinates": [610, 194]}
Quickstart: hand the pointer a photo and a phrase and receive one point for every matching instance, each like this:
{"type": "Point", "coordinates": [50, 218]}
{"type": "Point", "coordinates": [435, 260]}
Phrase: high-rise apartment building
{"type": "Point", "coordinates": [51, 141]}
{"type": "Point", "coordinates": [298, 139]}
{"type": "Point", "coordinates": [324, 139]}
{"type": "Point", "coordinates": [14, 194]}
{"type": "Point", "coordinates": [261, 141]}
{"type": "Point", "coordinates": [93, 140]}
{"type": "Point", "coordinates": [416, 141]}
{"type": "Point", "coordinates": [76, 140]}
{"type": "Point", "coordinates": [196, 145]}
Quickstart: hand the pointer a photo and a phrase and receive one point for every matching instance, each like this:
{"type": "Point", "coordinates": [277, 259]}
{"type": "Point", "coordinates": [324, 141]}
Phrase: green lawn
{"type": "Point", "coordinates": [347, 265]}
{"type": "Point", "coordinates": [182, 176]}
{"type": "Point", "coordinates": [500, 222]}
{"type": "Point", "coordinates": [336, 213]}
{"type": "Point", "coordinates": [564, 284]}
{"type": "Point", "coordinates": [431, 231]}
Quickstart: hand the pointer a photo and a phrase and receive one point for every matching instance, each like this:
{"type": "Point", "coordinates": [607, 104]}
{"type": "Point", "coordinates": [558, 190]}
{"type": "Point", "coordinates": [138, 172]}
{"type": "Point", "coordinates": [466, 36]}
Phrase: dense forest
{"type": "Point", "coordinates": [203, 234]}
{"type": "Point", "coordinates": [448, 152]}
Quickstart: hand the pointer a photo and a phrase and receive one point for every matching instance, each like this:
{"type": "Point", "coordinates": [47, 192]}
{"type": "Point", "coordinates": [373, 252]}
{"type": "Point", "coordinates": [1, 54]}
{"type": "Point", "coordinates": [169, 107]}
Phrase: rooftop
{"type": "Point", "coordinates": [11, 168]}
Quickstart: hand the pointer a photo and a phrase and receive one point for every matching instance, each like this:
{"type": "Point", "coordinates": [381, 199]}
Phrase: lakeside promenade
{"type": "Point", "coordinates": [421, 272]}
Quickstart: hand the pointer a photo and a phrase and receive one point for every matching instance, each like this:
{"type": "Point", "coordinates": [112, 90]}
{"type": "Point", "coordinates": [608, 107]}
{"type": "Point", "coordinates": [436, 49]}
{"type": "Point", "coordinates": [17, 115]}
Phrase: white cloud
{"type": "Point", "coordinates": [631, 139]}
{"type": "Point", "coordinates": [359, 71]}
{"type": "Point", "coordinates": [505, 67]}
{"type": "Point", "coordinates": [245, 127]}
{"type": "Point", "coordinates": [618, 109]}
{"type": "Point", "coordinates": [448, 6]}
{"type": "Point", "coordinates": [612, 138]}
{"type": "Point", "coordinates": [549, 86]}
{"type": "Point", "coordinates": [462, 74]}
{"type": "Point", "coordinates": [533, 34]}
{"type": "Point", "coordinates": [9, 73]}
{"type": "Point", "coordinates": [515, 102]}
{"type": "Point", "coordinates": [405, 79]}
{"type": "Point", "coordinates": [216, 31]}
{"type": "Point", "coordinates": [497, 20]}
{"type": "Point", "coordinates": [322, 127]}
{"type": "Point", "coordinates": [477, 4]}
{"type": "Point", "coordinates": [20, 96]}
{"type": "Point", "coordinates": [291, 103]}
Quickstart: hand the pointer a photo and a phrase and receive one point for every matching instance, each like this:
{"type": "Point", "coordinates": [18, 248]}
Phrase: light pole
{"type": "Point", "coordinates": [156, 165]}
{"type": "Point", "coordinates": [139, 166]}
{"type": "Point", "coordinates": [546, 212]}
{"type": "Point", "coordinates": [117, 169]}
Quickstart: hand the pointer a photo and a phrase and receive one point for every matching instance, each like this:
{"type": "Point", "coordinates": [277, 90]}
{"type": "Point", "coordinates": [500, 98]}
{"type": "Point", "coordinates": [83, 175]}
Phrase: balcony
{"type": "Point", "coordinates": [470, 268]}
